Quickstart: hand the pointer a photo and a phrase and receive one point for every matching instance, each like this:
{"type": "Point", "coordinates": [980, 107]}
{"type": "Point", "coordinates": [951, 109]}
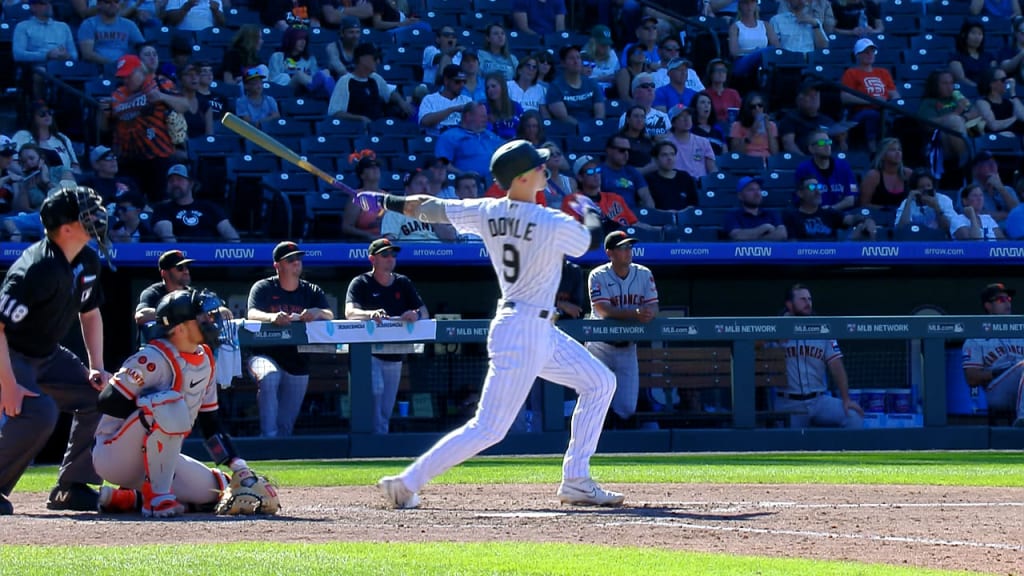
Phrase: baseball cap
{"type": "Point", "coordinates": [983, 156]}
{"type": "Point", "coordinates": [127, 64]}
{"type": "Point", "coordinates": [676, 111]}
{"type": "Point", "coordinates": [364, 49]}
{"type": "Point", "coordinates": [993, 290]}
{"type": "Point", "coordinates": [255, 72]}
{"type": "Point", "coordinates": [642, 78]}
{"type": "Point", "coordinates": [470, 53]}
{"type": "Point", "coordinates": [862, 45]}
{"type": "Point", "coordinates": [582, 161]}
{"type": "Point", "coordinates": [454, 72]}
{"type": "Point", "coordinates": [98, 153]}
{"type": "Point", "coordinates": [617, 239]}
{"type": "Point", "coordinates": [809, 85]}
{"type": "Point", "coordinates": [172, 258]}
{"type": "Point", "coordinates": [178, 170]}
{"type": "Point", "coordinates": [649, 18]}
{"type": "Point", "coordinates": [747, 181]}
{"type": "Point", "coordinates": [366, 162]}
{"type": "Point", "coordinates": [564, 50]}
{"type": "Point", "coordinates": [7, 146]}
{"type": "Point", "coordinates": [515, 158]}
{"type": "Point", "coordinates": [135, 198]}
{"type": "Point", "coordinates": [677, 63]}
{"type": "Point", "coordinates": [601, 35]}
{"type": "Point", "coordinates": [286, 249]}
{"type": "Point", "coordinates": [382, 245]}
{"type": "Point", "coordinates": [350, 22]}
{"type": "Point", "coordinates": [431, 161]}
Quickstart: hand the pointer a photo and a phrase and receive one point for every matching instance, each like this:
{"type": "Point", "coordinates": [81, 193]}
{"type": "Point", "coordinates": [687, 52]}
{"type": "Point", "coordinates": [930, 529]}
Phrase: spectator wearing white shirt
{"type": "Point", "coordinates": [923, 207]}
{"type": "Point", "coordinates": [194, 15]}
{"type": "Point", "coordinates": [524, 89]}
{"type": "Point", "coordinates": [443, 109]}
{"type": "Point", "coordinates": [439, 54]}
{"type": "Point", "coordinates": [972, 224]}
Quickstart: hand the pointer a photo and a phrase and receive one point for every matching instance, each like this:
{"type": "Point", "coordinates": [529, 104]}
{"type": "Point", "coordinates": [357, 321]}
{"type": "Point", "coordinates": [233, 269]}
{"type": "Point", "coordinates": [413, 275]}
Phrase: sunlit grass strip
{"type": "Point", "coordinates": [362, 559]}
{"type": "Point", "coordinates": [1004, 469]}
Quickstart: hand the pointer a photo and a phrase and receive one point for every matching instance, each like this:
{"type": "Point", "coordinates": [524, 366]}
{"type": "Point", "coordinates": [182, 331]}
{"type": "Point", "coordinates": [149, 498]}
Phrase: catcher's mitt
{"type": "Point", "coordinates": [248, 493]}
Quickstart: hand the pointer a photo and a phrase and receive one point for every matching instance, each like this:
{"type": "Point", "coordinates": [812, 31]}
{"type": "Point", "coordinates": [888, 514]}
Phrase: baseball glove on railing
{"type": "Point", "coordinates": [248, 493]}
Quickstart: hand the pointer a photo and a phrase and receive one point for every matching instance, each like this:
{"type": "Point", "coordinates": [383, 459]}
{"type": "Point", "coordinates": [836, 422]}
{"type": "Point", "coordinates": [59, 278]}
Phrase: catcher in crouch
{"type": "Point", "coordinates": [150, 405]}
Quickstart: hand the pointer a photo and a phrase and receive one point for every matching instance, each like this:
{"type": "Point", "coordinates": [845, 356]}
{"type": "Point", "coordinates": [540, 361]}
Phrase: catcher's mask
{"type": "Point", "coordinates": [70, 204]}
{"type": "Point", "coordinates": [203, 306]}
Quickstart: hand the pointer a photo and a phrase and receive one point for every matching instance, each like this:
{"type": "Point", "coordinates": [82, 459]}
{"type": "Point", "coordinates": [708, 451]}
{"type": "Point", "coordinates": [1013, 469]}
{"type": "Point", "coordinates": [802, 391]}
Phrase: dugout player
{"type": "Point", "coordinates": [806, 362]}
{"type": "Point", "coordinates": [621, 290]}
{"type": "Point", "coordinates": [377, 295]}
{"type": "Point", "coordinates": [175, 274]}
{"type": "Point", "coordinates": [997, 363]}
{"type": "Point", "coordinates": [526, 243]}
{"type": "Point", "coordinates": [151, 405]}
{"type": "Point", "coordinates": [281, 373]}
{"type": "Point", "coordinates": [54, 280]}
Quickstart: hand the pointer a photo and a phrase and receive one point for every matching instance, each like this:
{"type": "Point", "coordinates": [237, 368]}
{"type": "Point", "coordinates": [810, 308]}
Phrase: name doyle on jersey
{"type": "Point", "coordinates": [513, 227]}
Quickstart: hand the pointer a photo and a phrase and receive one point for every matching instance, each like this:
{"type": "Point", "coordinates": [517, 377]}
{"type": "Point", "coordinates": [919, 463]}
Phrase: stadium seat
{"type": "Point", "coordinates": [303, 108]}
{"type": "Point", "coordinates": [423, 146]}
{"type": "Point", "coordinates": [160, 36]}
{"type": "Point", "coordinates": [324, 211]}
{"type": "Point", "coordinates": [493, 6]}
{"type": "Point", "coordinates": [394, 128]}
{"type": "Point", "coordinates": [286, 127]}
{"type": "Point", "coordinates": [600, 128]}
{"type": "Point", "coordinates": [525, 43]}
{"type": "Point", "coordinates": [100, 88]}
{"type": "Point", "coordinates": [738, 163]}
{"type": "Point", "coordinates": [291, 182]}
{"type": "Point", "coordinates": [831, 58]}
{"type": "Point", "coordinates": [700, 217]}
{"type": "Point", "coordinates": [403, 163]}
{"type": "Point", "coordinates": [14, 13]}
{"type": "Point", "coordinates": [400, 75]}
{"type": "Point", "coordinates": [326, 162]}
{"type": "Point", "coordinates": [585, 145]}
{"type": "Point", "coordinates": [382, 145]}
{"type": "Point", "coordinates": [656, 217]}
{"type": "Point", "coordinates": [913, 73]}
{"type": "Point", "coordinates": [214, 146]}
{"type": "Point", "coordinates": [557, 129]}
{"type": "Point", "coordinates": [214, 37]}
{"type": "Point", "coordinates": [238, 16]}
{"type": "Point", "coordinates": [471, 38]}
{"type": "Point", "coordinates": [905, 9]}
{"type": "Point", "coordinates": [338, 127]}
{"type": "Point", "coordinates": [1008, 146]}
{"type": "Point", "coordinates": [556, 40]}
{"type": "Point", "coordinates": [644, 234]}
{"type": "Point", "coordinates": [940, 24]}
{"type": "Point", "coordinates": [70, 71]}
{"type": "Point", "coordinates": [931, 42]}
{"type": "Point", "coordinates": [392, 180]}
{"type": "Point", "coordinates": [272, 38]}
{"type": "Point", "coordinates": [692, 234]}
{"type": "Point", "coordinates": [406, 56]}
{"type": "Point", "coordinates": [717, 198]}
{"type": "Point", "coordinates": [784, 161]}
{"type": "Point", "coordinates": [412, 36]}
{"type": "Point", "coordinates": [915, 233]}
{"type": "Point", "coordinates": [860, 161]}
{"type": "Point", "coordinates": [450, 6]}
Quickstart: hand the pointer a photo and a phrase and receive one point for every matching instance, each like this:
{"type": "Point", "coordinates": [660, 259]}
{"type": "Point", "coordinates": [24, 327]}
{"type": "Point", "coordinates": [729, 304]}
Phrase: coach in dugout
{"type": "Point", "coordinates": [806, 388]}
{"type": "Point", "coordinates": [997, 363]}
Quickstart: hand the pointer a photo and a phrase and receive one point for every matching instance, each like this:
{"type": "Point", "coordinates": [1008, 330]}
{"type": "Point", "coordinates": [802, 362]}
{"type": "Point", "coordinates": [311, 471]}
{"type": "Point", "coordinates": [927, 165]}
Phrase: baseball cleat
{"type": "Point", "coordinates": [586, 492]}
{"type": "Point", "coordinates": [6, 508]}
{"type": "Point", "coordinates": [163, 506]}
{"type": "Point", "coordinates": [119, 500]}
{"type": "Point", "coordinates": [78, 497]}
{"type": "Point", "coordinates": [397, 494]}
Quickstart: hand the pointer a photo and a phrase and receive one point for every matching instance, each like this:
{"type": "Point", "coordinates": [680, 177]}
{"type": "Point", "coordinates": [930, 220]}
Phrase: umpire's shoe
{"type": "Point", "coordinates": [78, 497]}
{"type": "Point", "coordinates": [6, 508]}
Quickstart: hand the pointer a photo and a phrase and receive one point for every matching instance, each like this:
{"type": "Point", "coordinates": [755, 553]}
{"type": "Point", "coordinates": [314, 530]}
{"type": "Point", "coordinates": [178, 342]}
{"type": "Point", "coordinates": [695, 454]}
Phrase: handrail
{"type": "Point", "coordinates": [889, 106]}
{"type": "Point", "coordinates": [90, 129]}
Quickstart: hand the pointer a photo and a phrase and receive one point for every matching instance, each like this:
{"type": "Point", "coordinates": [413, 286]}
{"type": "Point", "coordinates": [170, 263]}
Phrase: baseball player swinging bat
{"type": "Point", "coordinates": [270, 144]}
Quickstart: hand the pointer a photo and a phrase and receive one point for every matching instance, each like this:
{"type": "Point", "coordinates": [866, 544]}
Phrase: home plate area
{"type": "Point", "coordinates": [953, 528]}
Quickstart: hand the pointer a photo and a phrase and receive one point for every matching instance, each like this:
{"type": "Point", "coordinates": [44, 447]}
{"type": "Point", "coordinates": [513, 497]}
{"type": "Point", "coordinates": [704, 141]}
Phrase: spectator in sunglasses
{"type": "Point", "coordinates": [810, 221]}
{"type": "Point", "coordinates": [753, 133]}
{"type": "Point", "coordinates": [105, 179]}
{"type": "Point", "coordinates": [131, 221]}
{"type": "Point", "coordinates": [840, 192]}
{"type": "Point", "coordinates": [44, 132]}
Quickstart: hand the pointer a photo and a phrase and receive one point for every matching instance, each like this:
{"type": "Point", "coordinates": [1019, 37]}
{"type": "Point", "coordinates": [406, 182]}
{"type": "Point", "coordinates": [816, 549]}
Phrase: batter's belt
{"type": "Point", "coordinates": [541, 313]}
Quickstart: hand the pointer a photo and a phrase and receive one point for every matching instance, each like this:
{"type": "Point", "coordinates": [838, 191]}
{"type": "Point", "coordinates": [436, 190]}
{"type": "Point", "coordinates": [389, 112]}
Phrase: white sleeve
{"type": "Point", "coordinates": [390, 224]}
{"type": "Point", "coordinates": [430, 104]}
{"type": "Point", "coordinates": [339, 96]}
{"type": "Point", "coordinates": [973, 354]}
{"type": "Point", "coordinates": [571, 235]}
{"type": "Point", "coordinates": [383, 88]}
{"type": "Point", "coordinates": [147, 369]}
{"type": "Point", "coordinates": [466, 215]}
{"type": "Point", "coordinates": [957, 222]}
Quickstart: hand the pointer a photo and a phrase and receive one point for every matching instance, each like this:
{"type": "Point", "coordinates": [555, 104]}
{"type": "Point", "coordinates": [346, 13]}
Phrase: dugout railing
{"type": "Point", "coordinates": [743, 337]}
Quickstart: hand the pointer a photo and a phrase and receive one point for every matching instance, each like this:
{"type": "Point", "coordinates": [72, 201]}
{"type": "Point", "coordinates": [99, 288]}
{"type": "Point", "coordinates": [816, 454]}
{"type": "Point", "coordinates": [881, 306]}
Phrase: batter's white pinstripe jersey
{"type": "Point", "coordinates": [526, 243]}
{"type": "Point", "coordinates": [806, 363]}
{"type": "Point", "coordinates": [635, 290]}
{"type": "Point", "coordinates": [995, 354]}
{"type": "Point", "coordinates": [158, 367]}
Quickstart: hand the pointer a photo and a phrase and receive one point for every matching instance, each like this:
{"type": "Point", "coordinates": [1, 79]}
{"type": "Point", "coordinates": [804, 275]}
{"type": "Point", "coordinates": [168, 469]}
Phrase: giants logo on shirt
{"type": "Point", "coordinates": [802, 351]}
{"type": "Point", "coordinates": [874, 86]}
{"type": "Point", "coordinates": [627, 300]}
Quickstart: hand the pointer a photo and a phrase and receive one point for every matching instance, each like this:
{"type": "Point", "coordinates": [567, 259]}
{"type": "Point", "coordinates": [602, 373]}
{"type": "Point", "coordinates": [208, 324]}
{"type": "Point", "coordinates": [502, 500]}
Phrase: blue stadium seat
{"type": "Point", "coordinates": [940, 24]}
{"type": "Point", "coordinates": [286, 140]}
{"type": "Point", "coordinates": [915, 233]}
{"type": "Point", "coordinates": [326, 162]}
{"type": "Point", "coordinates": [525, 43]}
{"type": "Point", "coordinates": [400, 75]}
{"type": "Point", "coordinates": [403, 163]}
{"type": "Point", "coordinates": [692, 234]}
{"type": "Point", "coordinates": [450, 6]}
{"type": "Point", "coordinates": [238, 16]}
{"type": "Point", "coordinates": [832, 57]}
{"type": "Point", "coordinates": [600, 128]}
{"type": "Point", "coordinates": [324, 211]}
{"type": "Point", "coordinates": [160, 36]}
{"type": "Point", "coordinates": [739, 163]}
{"type": "Point", "coordinates": [292, 181]}
{"type": "Point", "coordinates": [914, 73]}
{"type": "Point", "coordinates": [701, 217]}
{"type": "Point", "coordinates": [557, 129]}
{"type": "Point", "coordinates": [272, 38]}
{"type": "Point", "coordinates": [644, 235]}
{"type": "Point", "coordinates": [325, 144]}
{"type": "Point", "coordinates": [932, 42]}
{"type": "Point", "coordinates": [214, 37]}
{"type": "Point", "coordinates": [252, 165]}
{"type": "Point", "coordinates": [779, 58]}
{"type": "Point", "coordinates": [338, 127]}
{"type": "Point", "coordinates": [303, 108]}
{"type": "Point", "coordinates": [493, 6]}
{"type": "Point", "coordinates": [949, 8]}
{"type": "Point", "coordinates": [73, 71]}
{"type": "Point", "coordinates": [382, 145]}
{"type": "Point", "coordinates": [860, 161]}
{"type": "Point", "coordinates": [784, 161]}
{"type": "Point", "coordinates": [101, 88]}
{"type": "Point", "coordinates": [214, 146]}
{"type": "Point", "coordinates": [579, 145]}
{"type": "Point", "coordinates": [394, 128]}
{"type": "Point", "coordinates": [440, 19]}
{"type": "Point", "coordinates": [904, 9]}
{"type": "Point", "coordinates": [710, 196]}
{"type": "Point", "coordinates": [556, 40]}
{"type": "Point", "coordinates": [415, 37]}
{"type": "Point", "coordinates": [656, 217]}
{"type": "Point", "coordinates": [14, 13]}
{"type": "Point", "coordinates": [471, 38]}
{"type": "Point", "coordinates": [406, 56]}
{"type": "Point", "coordinates": [286, 127]}
{"type": "Point", "coordinates": [392, 180]}
{"type": "Point", "coordinates": [421, 146]}
{"type": "Point", "coordinates": [1008, 146]}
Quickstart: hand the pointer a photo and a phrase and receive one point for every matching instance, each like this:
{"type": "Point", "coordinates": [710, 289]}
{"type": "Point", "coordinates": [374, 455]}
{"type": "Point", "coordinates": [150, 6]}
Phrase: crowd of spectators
{"type": "Point", "coordinates": [623, 93]}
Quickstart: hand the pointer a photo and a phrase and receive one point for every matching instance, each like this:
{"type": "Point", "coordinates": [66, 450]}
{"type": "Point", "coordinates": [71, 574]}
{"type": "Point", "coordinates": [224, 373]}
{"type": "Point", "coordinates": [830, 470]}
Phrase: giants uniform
{"type": "Point", "coordinates": [1005, 358]}
{"type": "Point", "coordinates": [124, 454]}
{"type": "Point", "coordinates": [526, 243]}
{"type": "Point", "coordinates": [634, 291]}
{"type": "Point", "coordinates": [806, 388]}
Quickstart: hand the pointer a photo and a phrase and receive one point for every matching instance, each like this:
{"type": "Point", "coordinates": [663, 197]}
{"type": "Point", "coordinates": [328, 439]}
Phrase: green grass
{"type": "Point", "coordinates": [1004, 469]}
{"type": "Point", "coordinates": [362, 559]}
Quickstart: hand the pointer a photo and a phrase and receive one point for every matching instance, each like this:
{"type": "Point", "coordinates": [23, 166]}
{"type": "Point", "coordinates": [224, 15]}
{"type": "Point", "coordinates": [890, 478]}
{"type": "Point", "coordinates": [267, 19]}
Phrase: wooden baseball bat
{"type": "Point", "coordinates": [272, 145]}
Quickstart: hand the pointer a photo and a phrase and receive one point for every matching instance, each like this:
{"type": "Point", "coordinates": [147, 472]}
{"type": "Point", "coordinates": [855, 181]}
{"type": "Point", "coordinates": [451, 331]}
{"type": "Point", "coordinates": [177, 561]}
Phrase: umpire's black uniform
{"type": "Point", "coordinates": [39, 300]}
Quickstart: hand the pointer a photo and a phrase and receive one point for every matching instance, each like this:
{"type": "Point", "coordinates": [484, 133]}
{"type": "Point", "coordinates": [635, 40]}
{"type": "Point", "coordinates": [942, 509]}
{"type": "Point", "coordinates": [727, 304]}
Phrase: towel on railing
{"type": "Point", "coordinates": [229, 357]}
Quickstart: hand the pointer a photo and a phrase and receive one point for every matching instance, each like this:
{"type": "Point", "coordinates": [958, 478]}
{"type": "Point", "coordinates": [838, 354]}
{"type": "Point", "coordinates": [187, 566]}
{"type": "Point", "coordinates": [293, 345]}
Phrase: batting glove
{"type": "Point", "coordinates": [371, 202]}
{"type": "Point", "coordinates": [580, 205]}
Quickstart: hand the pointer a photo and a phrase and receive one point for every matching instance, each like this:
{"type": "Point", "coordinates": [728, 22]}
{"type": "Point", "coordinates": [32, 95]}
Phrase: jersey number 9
{"type": "Point", "coordinates": [510, 258]}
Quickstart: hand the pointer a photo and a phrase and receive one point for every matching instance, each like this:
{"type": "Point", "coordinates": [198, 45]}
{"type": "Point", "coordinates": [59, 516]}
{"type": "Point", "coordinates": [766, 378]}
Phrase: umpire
{"type": "Point", "coordinates": [52, 281]}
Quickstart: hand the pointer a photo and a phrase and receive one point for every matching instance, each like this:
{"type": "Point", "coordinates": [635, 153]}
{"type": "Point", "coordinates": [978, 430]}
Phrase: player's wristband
{"type": "Point", "coordinates": [394, 203]}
